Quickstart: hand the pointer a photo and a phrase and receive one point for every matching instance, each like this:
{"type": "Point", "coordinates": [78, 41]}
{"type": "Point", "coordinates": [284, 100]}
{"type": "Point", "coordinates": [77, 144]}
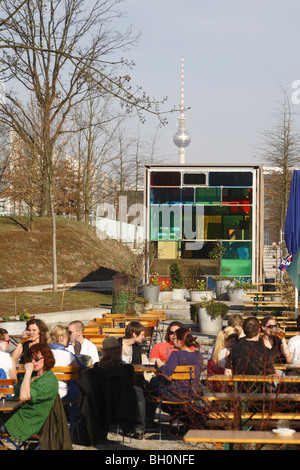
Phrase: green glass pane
{"type": "Point", "coordinates": [237, 259]}
{"type": "Point", "coordinates": [165, 222]}
{"type": "Point", "coordinates": [207, 195]}
{"type": "Point", "coordinates": [236, 268]}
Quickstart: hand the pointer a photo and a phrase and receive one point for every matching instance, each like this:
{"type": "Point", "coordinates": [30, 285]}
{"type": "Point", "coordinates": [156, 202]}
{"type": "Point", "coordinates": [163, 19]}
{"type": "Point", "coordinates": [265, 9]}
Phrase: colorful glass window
{"type": "Point", "coordinates": [165, 178]}
{"type": "Point", "coordinates": [194, 179]}
{"type": "Point", "coordinates": [165, 196]}
{"type": "Point", "coordinates": [208, 195]}
{"type": "Point", "coordinates": [165, 223]}
{"type": "Point", "coordinates": [230, 178]}
{"type": "Point", "coordinates": [240, 196]}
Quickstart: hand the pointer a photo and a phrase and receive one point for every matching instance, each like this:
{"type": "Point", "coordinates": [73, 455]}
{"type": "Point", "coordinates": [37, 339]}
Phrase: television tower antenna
{"type": "Point", "coordinates": [182, 138]}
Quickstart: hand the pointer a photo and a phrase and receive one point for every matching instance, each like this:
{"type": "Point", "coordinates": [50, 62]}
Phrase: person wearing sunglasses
{"type": "Point", "coordinates": [275, 343]}
{"type": "Point", "coordinates": [163, 350]}
{"type": "Point", "coordinates": [6, 362]}
{"type": "Point", "coordinates": [37, 390]}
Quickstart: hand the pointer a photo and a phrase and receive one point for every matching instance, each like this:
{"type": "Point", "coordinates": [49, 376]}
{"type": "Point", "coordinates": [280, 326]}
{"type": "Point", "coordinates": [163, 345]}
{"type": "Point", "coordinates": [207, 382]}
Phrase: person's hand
{"type": "Point", "coordinates": [28, 367]}
{"type": "Point", "coordinates": [158, 363]}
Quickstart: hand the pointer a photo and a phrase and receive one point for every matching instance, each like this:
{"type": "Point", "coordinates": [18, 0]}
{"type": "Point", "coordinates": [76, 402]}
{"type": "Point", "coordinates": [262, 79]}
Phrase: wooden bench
{"type": "Point", "coordinates": [220, 437]}
{"type": "Point", "coordinates": [116, 332]}
{"type": "Point", "coordinates": [91, 330]}
{"type": "Point", "coordinates": [7, 386]}
{"type": "Point", "coordinates": [262, 304]}
{"type": "Point", "coordinates": [241, 401]}
{"type": "Point", "coordinates": [66, 372]}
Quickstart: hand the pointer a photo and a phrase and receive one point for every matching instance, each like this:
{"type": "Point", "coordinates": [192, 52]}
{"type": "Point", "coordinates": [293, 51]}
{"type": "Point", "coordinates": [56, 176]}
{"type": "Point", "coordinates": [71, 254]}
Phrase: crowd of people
{"type": "Point", "coordinates": [109, 391]}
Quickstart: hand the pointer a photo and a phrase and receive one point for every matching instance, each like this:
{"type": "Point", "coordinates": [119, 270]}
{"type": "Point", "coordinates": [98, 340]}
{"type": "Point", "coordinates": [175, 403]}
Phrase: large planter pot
{"type": "Point", "coordinates": [151, 293]}
{"type": "Point", "coordinates": [178, 294]}
{"type": "Point", "coordinates": [166, 295]}
{"type": "Point", "coordinates": [200, 295]}
{"type": "Point", "coordinates": [208, 325]}
{"type": "Point", "coordinates": [237, 294]}
{"type": "Point", "coordinates": [221, 286]}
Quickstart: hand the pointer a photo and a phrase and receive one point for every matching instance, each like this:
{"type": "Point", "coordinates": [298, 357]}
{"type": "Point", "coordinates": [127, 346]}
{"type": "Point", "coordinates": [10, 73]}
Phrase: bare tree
{"type": "Point", "coordinates": [280, 149]}
{"type": "Point", "coordinates": [57, 50]}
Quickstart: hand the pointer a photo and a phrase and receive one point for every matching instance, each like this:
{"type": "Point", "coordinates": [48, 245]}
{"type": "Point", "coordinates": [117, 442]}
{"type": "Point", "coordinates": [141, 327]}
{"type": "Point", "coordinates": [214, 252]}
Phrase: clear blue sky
{"type": "Point", "coordinates": [236, 55]}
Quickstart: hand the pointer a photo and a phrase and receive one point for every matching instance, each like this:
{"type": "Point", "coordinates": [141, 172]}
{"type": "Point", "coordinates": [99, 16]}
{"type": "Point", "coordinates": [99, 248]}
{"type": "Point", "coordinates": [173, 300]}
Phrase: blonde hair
{"type": "Point", "coordinates": [57, 332]}
{"type": "Point", "coordinates": [222, 336]}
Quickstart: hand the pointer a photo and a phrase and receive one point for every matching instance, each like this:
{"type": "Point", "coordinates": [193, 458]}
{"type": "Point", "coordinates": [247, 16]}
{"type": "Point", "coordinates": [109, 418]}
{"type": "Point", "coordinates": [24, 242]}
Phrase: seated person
{"type": "Point", "coordinates": [79, 345]}
{"type": "Point", "coordinates": [130, 343]}
{"type": "Point", "coordinates": [37, 332]}
{"type": "Point", "coordinates": [218, 354]}
{"type": "Point", "coordinates": [6, 361]}
{"type": "Point", "coordinates": [236, 320]}
{"type": "Point", "coordinates": [107, 394]}
{"type": "Point", "coordinates": [37, 389]}
{"type": "Point", "coordinates": [163, 350]}
{"type": "Point", "coordinates": [59, 340]}
{"type": "Point", "coordinates": [186, 353]}
{"type": "Point", "coordinates": [278, 346]}
{"type": "Point", "coordinates": [294, 345]}
{"type": "Point", "coordinates": [250, 356]}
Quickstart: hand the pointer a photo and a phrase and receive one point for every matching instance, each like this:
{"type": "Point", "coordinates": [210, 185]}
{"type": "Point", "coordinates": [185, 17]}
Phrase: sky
{"type": "Point", "coordinates": [237, 55]}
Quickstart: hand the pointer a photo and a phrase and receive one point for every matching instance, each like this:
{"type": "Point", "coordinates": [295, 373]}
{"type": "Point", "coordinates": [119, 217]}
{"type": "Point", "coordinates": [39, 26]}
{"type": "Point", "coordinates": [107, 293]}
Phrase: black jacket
{"type": "Point", "coordinates": [107, 397]}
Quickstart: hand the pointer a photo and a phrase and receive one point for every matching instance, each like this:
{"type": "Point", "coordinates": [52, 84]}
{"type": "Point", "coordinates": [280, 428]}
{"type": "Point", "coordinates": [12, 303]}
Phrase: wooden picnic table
{"type": "Point", "coordinates": [220, 437]}
{"type": "Point", "coordinates": [144, 367]}
{"type": "Point", "coordinates": [254, 378]}
{"type": "Point", "coordinates": [7, 405]}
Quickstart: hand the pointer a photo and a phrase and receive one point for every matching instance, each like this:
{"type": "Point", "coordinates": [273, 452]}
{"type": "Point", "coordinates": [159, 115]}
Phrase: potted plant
{"type": "Point", "coordinates": [166, 292]}
{"type": "Point", "coordinates": [236, 292]}
{"type": "Point", "coordinates": [211, 315]}
{"type": "Point", "coordinates": [221, 281]}
{"type": "Point", "coordinates": [177, 281]}
{"type": "Point", "coordinates": [152, 289]}
{"type": "Point", "coordinates": [199, 291]}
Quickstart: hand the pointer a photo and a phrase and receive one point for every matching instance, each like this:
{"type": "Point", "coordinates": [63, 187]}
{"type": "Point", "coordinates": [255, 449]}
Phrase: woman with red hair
{"type": "Point", "coordinates": [37, 389]}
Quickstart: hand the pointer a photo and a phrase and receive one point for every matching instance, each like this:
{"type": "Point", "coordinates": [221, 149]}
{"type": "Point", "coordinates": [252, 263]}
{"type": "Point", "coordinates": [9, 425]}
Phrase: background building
{"type": "Point", "coordinates": [192, 209]}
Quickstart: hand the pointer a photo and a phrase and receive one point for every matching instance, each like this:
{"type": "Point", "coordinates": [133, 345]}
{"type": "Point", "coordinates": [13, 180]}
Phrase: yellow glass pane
{"type": "Point", "coordinates": [167, 250]}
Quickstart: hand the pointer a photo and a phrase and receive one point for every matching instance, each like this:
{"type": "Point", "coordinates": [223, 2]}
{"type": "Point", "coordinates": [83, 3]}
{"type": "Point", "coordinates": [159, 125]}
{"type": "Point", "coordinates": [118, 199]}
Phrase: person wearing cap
{"type": "Point", "coordinates": [108, 395]}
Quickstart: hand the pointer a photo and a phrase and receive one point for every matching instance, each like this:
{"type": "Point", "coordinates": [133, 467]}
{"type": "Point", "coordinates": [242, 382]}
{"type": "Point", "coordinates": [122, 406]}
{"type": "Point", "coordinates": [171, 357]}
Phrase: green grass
{"type": "Point", "coordinates": [26, 260]}
{"type": "Point", "coordinates": [43, 302]}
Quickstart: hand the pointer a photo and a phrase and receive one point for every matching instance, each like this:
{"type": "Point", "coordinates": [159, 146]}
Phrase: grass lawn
{"type": "Point", "coordinates": [43, 302]}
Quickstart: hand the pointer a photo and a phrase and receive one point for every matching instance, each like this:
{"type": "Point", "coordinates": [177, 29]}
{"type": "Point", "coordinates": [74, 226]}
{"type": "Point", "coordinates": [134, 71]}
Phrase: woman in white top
{"type": "Point", "coordinates": [59, 340]}
{"type": "Point", "coordinates": [6, 361]}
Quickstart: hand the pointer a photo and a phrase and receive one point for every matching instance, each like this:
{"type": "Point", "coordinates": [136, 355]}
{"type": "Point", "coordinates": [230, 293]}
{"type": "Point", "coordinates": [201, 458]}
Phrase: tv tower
{"type": "Point", "coordinates": [182, 138]}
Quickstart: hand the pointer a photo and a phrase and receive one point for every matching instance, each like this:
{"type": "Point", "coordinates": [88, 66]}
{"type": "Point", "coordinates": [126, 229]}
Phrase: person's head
{"type": "Point", "coordinates": [38, 330]}
{"type": "Point", "coordinates": [267, 324]}
{"type": "Point", "coordinates": [183, 337]}
{"type": "Point", "coordinates": [251, 327]}
{"type": "Point", "coordinates": [225, 339]}
{"type": "Point", "coordinates": [75, 331]}
{"type": "Point", "coordinates": [236, 320]}
{"type": "Point", "coordinates": [59, 335]}
{"type": "Point", "coordinates": [41, 356]}
{"type": "Point", "coordinates": [111, 354]}
{"type": "Point", "coordinates": [4, 340]}
{"type": "Point", "coordinates": [135, 330]}
{"type": "Point", "coordinates": [173, 326]}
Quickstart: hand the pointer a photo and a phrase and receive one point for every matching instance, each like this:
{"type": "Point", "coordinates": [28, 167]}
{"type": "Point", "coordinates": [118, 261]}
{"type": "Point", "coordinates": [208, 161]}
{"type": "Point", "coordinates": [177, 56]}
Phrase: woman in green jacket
{"type": "Point", "coordinates": [37, 389]}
